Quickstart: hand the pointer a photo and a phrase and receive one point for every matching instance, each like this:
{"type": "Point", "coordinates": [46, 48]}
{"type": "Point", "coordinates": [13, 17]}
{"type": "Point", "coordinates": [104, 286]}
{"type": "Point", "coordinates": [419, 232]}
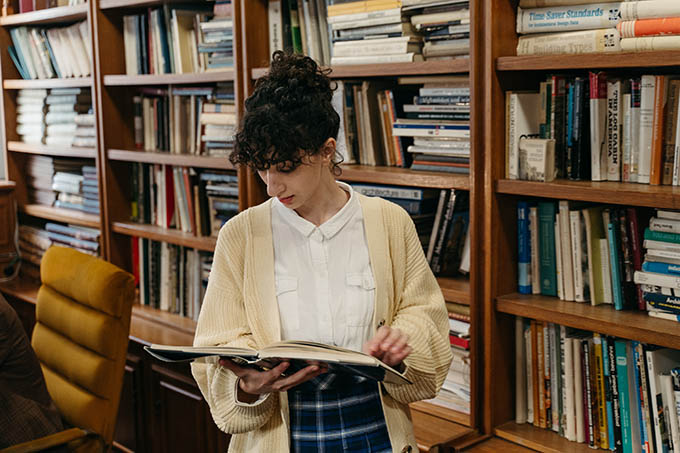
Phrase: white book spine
{"type": "Point", "coordinates": [606, 272]}
{"type": "Point", "coordinates": [559, 272]}
{"type": "Point", "coordinates": [649, 9]}
{"type": "Point", "coordinates": [369, 48]}
{"type": "Point", "coordinates": [669, 410]}
{"type": "Point", "coordinates": [275, 26]}
{"type": "Point", "coordinates": [535, 268]}
{"type": "Point", "coordinates": [673, 255]}
{"type": "Point", "coordinates": [575, 42]}
{"type": "Point", "coordinates": [566, 18]}
{"type": "Point", "coordinates": [577, 251]}
{"type": "Point", "coordinates": [676, 155]}
{"type": "Point", "coordinates": [635, 137]}
{"type": "Point", "coordinates": [568, 391]}
{"type": "Point", "coordinates": [520, 375]}
{"type": "Point", "coordinates": [648, 278]}
{"type": "Point", "coordinates": [614, 130]}
{"type": "Point", "coordinates": [375, 59]}
{"type": "Point", "coordinates": [598, 135]}
{"type": "Point", "coordinates": [648, 43]}
{"type": "Point", "coordinates": [529, 381]}
{"type": "Point", "coordinates": [565, 238]}
{"type": "Point", "coordinates": [554, 338]}
{"type": "Point", "coordinates": [544, 3]}
{"type": "Point", "coordinates": [664, 225]}
{"type": "Point", "coordinates": [626, 154]}
{"type": "Point", "coordinates": [647, 87]}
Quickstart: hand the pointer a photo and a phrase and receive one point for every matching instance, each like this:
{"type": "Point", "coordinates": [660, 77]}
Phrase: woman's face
{"type": "Point", "coordinates": [296, 188]}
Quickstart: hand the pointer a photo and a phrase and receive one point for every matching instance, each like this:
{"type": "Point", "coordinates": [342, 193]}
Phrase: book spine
{"type": "Point", "coordinates": [601, 392]}
{"type": "Point", "coordinates": [635, 93]}
{"type": "Point", "coordinates": [556, 19]}
{"type": "Point", "coordinates": [669, 131]}
{"type": "Point", "coordinates": [578, 391]}
{"type": "Point", "coordinates": [661, 236]}
{"type": "Point", "coordinates": [540, 348]}
{"type": "Point", "coordinates": [614, 130]}
{"type": "Point", "coordinates": [612, 235]}
{"type": "Point", "coordinates": [647, 92]}
{"type": "Point", "coordinates": [543, 3]}
{"type": "Point", "coordinates": [535, 376]}
{"type": "Point", "coordinates": [558, 111]}
{"type": "Point", "coordinates": [656, 165]}
{"type": "Point", "coordinates": [546, 222]}
{"type": "Point", "coordinates": [624, 396]}
{"type": "Point", "coordinates": [523, 248]}
{"type": "Point", "coordinates": [667, 281]}
{"type": "Point", "coordinates": [649, 10]}
{"type": "Point", "coordinates": [520, 376]}
{"type": "Point", "coordinates": [661, 268]}
{"type": "Point", "coordinates": [664, 225]}
{"type": "Point", "coordinates": [575, 42]}
{"type": "Point", "coordinates": [589, 404]}
{"type": "Point", "coordinates": [568, 390]}
{"type": "Point", "coordinates": [626, 134]}
{"type": "Point", "coordinates": [558, 259]}
{"type": "Point", "coordinates": [613, 388]}
{"type": "Point", "coordinates": [535, 266]}
{"type": "Point", "coordinates": [567, 250]}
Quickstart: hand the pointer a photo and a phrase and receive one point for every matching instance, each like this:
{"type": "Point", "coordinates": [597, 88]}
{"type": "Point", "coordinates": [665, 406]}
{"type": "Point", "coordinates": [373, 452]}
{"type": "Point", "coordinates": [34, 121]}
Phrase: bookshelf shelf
{"type": "Point", "coordinates": [458, 65]}
{"type": "Point", "coordinates": [75, 82]}
{"type": "Point", "coordinates": [46, 150]}
{"type": "Point", "coordinates": [404, 177]}
{"type": "Point", "coordinates": [599, 61]}
{"type": "Point", "coordinates": [177, 325]}
{"type": "Point", "coordinates": [184, 160]}
{"type": "Point", "coordinates": [169, 79]}
{"type": "Point", "coordinates": [61, 215]}
{"type": "Point", "coordinates": [441, 412]}
{"type": "Point", "coordinates": [110, 4]}
{"type": "Point", "coordinates": [455, 289]}
{"type": "Point", "coordinates": [603, 318]}
{"type": "Point", "coordinates": [47, 16]}
{"type": "Point", "coordinates": [539, 439]}
{"type": "Point", "coordinates": [157, 233]}
{"type": "Point", "coordinates": [21, 288]}
{"type": "Point", "coordinates": [597, 192]}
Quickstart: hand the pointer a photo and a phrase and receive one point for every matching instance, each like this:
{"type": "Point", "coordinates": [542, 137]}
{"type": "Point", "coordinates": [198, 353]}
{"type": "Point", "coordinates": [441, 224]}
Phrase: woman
{"type": "Point", "coordinates": [316, 262]}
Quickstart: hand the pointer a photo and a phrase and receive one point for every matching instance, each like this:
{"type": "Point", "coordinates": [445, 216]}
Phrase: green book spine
{"type": "Point", "coordinates": [296, 37]}
{"type": "Point", "coordinates": [546, 247]}
{"type": "Point", "coordinates": [662, 236]}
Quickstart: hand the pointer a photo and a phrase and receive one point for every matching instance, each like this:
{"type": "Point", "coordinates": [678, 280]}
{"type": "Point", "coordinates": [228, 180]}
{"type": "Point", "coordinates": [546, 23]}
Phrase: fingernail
{"type": "Point", "coordinates": [315, 368]}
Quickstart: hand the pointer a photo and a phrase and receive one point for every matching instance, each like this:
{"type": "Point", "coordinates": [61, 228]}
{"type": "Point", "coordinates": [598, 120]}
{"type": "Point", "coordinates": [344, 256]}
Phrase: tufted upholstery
{"type": "Point", "coordinates": [81, 336]}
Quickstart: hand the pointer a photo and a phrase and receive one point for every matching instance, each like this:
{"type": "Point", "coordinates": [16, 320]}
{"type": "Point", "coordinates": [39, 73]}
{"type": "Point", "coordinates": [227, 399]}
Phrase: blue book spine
{"type": "Point", "coordinates": [523, 248]}
{"type": "Point", "coordinates": [622, 374]}
{"type": "Point", "coordinates": [636, 370]}
{"type": "Point", "coordinates": [615, 266]}
{"type": "Point", "coordinates": [608, 393]}
{"type": "Point", "coordinates": [662, 302]}
{"type": "Point", "coordinates": [661, 268]}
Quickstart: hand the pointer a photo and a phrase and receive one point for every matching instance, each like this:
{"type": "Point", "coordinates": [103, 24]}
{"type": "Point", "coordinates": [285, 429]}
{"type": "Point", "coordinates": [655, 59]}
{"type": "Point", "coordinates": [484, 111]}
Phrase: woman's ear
{"type": "Point", "coordinates": [328, 150]}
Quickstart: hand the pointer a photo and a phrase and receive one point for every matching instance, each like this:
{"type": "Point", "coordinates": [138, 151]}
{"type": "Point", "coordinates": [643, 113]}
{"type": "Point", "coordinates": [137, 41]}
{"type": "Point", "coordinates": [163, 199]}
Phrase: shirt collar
{"type": "Point", "coordinates": [330, 227]}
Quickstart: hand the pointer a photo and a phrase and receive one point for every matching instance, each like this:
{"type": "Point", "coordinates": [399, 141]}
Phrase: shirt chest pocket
{"type": "Point", "coordinates": [287, 299]}
{"type": "Point", "coordinates": [359, 299]}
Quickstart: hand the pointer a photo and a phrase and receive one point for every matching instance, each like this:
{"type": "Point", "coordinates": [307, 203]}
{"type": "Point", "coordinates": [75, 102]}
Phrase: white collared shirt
{"type": "Point", "coordinates": [324, 282]}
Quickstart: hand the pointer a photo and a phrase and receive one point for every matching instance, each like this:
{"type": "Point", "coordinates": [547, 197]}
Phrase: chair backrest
{"type": "Point", "coordinates": [81, 336]}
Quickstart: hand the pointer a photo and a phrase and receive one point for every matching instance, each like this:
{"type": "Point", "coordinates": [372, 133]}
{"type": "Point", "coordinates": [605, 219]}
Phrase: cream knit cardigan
{"type": "Point", "coordinates": [240, 309]}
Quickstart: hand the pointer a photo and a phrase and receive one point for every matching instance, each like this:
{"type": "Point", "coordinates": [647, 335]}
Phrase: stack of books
{"type": "Point", "coordinates": [438, 123]}
{"type": "Point", "coordinates": [650, 25]}
{"type": "Point", "coordinates": [86, 133]}
{"type": "Point", "coordinates": [370, 32]}
{"type": "Point", "coordinates": [221, 190]}
{"type": "Point", "coordinates": [39, 172]}
{"type": "Point", "coordinates": [31, 115]}
{"type": "Point", "coordinates": [68, 183]}
{"type": "Point", "coordinates": [33, 243]}
{"type": "Point", "coordinates": [455, 392]}
{"type": "Point", "coordinates": [218, 123]}
{"type": "Point", "coordinates": [90, 190]}
{"type": "Point", "coordinates": [216, 44]}
{"type": "Point", "coordinates": [85, 240]}
{"type": "Point", "coordinates": [166, 40]}
{"type": "Point", "coordinates": [40, 53]}
{"type": "Point", "coordinates": [63, 106]}
{"type": "Point", "coordinates": [445, 26]}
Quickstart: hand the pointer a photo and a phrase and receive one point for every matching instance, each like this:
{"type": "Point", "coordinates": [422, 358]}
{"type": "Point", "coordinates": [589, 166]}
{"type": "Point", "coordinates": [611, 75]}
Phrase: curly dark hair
{"type": "Point", "coordinates": [289, 116]}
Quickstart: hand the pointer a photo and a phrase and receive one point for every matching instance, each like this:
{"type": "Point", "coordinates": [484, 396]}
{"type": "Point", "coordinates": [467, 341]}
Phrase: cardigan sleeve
{"type": "Point", "coordinates": [420, 313]}
{"type": "Point", "coordinates": [223, 322]}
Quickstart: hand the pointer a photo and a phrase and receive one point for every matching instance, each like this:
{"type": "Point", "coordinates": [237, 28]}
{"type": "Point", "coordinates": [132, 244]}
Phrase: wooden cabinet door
{"type": "Point", "coordinates": [130, 425]}
{"type": "Point", "coordinates": [181, 418]}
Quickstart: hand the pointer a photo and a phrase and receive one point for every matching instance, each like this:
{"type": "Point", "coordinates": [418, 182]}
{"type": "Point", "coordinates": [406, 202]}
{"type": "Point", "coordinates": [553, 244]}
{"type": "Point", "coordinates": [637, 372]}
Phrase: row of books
{"type": "Point", "coordinates": [179, 198]}
{"type": "Point", "coordinates": [422, 127]}
{"type": "Point", "coordinates": [455, 391]}
{"type": "Point", "coordinates": [605, 128]}
{"type": "Point", "coordinates": [607, 392]}
{"type": "Point", "coordinates": [170, 277]}
{"type": "Point", "coordinates": [26, 6]}
{"type": "Point", "coordinates": [441, 218]}
{"type": "Point", "coordinates": [372, 31]}
{"type": "Point", "coordinates": [577, 26]}
{"type": "Point", "coordinates": [45, 53]}
{"type": "Point", "coordinates": [58, 116]}
{"type": "Point", "coordinates": [179, 39]}
{"type": "Point", "coordinates": [186, 120]}
{"type": "Point", "coordinates": [35, 240]}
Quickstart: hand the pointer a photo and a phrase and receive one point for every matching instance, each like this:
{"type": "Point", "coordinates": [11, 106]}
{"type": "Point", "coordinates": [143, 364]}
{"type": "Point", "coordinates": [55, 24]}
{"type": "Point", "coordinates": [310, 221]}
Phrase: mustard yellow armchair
{"type": "Point", "coordinates": [81, 337]}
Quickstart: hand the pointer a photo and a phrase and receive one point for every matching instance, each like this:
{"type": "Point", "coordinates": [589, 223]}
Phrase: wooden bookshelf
{"type": "Point", "coordinates": [47, 16]}
{"type": "Point", "coordinates": [437, 433]}
{"type": "Point", "coordinates": [539, 439]}
{"type": "Point", "coordinates": [184, 160]}
{"type": "Point", "coordinates": [48, 150]}
{"type": "Point", "coordinates": [61, 215]}
{"type": "Point", "coordinates": [455, 289]}
{"type": "Point", "coordinates": [73, 82]}
{"type": "Point", "coordinates": [161, 234]}
{"type": "Point", "coordinates": [441, 412]}
{"type": "Point", "coordinates": [455, 66]}
{"type": "Point", "coordinates": [112, 4]}
{"type": "Point", "coordinates": [21, 288]}
{"type": "Point", "coordinates": [404, 177]}
{"type": "Point", "coordinates": [173, 323]}
{"type": "Point", "coordinates": [634, 325]}
{"type": "Point", "coordinates": [596, 192]}
{"type": "Point", "coordinates": [613, 60]}
{"type": "Point", "coordinates": [169, 79]}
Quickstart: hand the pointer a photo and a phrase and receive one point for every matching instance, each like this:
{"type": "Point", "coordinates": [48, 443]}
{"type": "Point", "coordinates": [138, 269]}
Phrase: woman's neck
{"type": "Point", "coordinates": [327, 201]}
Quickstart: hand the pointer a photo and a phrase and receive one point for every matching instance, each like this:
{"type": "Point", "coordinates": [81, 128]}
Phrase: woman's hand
{"type": "Point", "coordinates": [390, 345]}
{"type": "Point", "coordinates": [253, 383]}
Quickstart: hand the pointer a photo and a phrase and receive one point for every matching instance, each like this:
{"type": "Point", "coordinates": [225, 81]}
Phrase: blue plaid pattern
{"type": "Point", "coordinates": [334, 413]}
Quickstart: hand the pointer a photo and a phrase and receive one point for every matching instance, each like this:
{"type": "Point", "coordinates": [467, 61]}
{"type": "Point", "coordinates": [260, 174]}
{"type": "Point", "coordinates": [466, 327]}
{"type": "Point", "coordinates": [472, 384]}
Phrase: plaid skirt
{"type": "Point", "coordinates": [336, 413]}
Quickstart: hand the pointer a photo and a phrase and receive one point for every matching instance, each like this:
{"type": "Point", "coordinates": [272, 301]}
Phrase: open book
{"type": "Point", "coordinates": [339, 360]}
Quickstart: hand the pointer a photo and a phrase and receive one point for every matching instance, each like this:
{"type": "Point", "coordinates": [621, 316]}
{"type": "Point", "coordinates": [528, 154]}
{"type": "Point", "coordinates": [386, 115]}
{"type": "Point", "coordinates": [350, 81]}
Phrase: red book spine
{"type": "Point", "coordinates": [135, 259]}
{"type": "Point", "coordinates": [458, 341]}
{"type": "Point", "coordinates": [636, 244]}
{"type": "Point", "coordinates": [26, 6]}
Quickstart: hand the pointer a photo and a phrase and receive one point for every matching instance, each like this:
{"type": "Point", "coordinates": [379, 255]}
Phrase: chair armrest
{"type": "Point", "coordinates": [42, 443]}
